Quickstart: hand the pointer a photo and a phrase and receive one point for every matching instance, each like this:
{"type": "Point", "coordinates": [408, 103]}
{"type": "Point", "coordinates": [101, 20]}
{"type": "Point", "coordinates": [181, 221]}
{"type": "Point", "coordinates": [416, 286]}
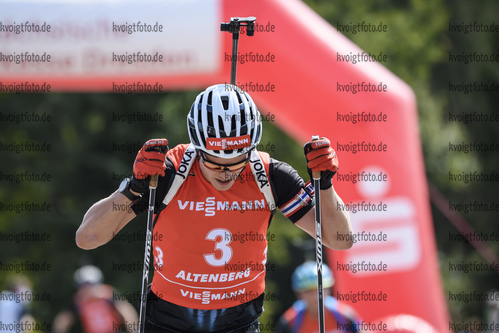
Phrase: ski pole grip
{"type": "Point", "coordinates": [316, 174]}
{"type": "Point", "coordinates": [153, 182]}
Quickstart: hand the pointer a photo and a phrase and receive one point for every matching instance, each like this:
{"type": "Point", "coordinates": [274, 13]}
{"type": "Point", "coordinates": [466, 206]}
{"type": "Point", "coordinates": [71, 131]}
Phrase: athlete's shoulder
{"type": "Point", "coordinates": [298, 307]}
{"type": "Point", "coordinates": [264, 158]}
{"type": "Point", "coordinates": [284, 175]}
{"type": "Point", "coordinates": [280, 167]}
{"type": "Point", "coordinates": [176, 153]}
{"type": "Point", "coordinates": [263, 155]}
{"type": "Point", "coordinates": [178, 149]}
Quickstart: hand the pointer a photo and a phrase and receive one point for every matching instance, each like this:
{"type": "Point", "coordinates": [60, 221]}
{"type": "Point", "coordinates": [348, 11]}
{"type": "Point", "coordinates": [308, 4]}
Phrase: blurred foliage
{"type": "Point", "coordinates": [86, 164]}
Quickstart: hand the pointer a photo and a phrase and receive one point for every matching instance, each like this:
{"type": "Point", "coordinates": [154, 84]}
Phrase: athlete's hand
{"type": "Point", "coordinates": [321, 157]}
{"type": "Point", "coordinates": [150, 161]}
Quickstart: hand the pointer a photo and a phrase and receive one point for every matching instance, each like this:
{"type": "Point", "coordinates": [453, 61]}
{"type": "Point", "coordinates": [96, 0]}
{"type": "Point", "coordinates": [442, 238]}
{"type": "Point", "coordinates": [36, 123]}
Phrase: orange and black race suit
{"type": "Point", "coordinates": [213, 251]}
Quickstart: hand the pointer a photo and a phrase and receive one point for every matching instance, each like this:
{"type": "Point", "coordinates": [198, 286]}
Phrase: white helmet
{"type": "Point", "coordinates": [88, 274]}
{"type": "Point", "coordinates": [224, 122]}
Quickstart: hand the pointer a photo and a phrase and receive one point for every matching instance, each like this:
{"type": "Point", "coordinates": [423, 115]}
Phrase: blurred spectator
{"type": "Point", "coordinates": [93, 304]}
{"type": "Point", "coordinates": [14, 306]}
{"type": "Point", "coordinates": [302, 317]}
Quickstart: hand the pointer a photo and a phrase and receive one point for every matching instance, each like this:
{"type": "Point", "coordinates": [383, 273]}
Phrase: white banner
{"type": "Point", "coordinates": [109, 38]}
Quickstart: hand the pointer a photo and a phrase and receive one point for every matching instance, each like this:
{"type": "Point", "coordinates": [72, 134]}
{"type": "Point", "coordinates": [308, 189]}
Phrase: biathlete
{"type": "Point", "coordinates": [211, 194]}
{"type": "Point", "coordinates": [94, 307]}
{"type": "Point", "coordinates": [302, 317]}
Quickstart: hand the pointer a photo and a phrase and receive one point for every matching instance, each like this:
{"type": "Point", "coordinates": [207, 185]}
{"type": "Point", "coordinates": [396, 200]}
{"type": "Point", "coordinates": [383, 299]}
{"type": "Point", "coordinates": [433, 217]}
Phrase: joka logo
{"type": "Point", "coordinates": [261, 176]}
{"type": "Point", "coordinates": [184, 165]}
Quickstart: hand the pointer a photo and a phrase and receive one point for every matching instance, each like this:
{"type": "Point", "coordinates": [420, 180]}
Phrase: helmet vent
{"type": "Point", "coordinates": [233, 126]}
{"type": "Point", "coordinates": [221, 127]}
{"type": "Point", "coordinates": [258, 129]}
{"type": "Point", "coordinates": [209, 98]}
{"type": "Point", "coordinates": [239, 97]}
{"type": "Point", "coordinates": [244, 129]}
{"type": "Point", "coordinates": [225, 102]}
{"type": "Point", "coordinates": [210, 117]}
{"type": "Point", "coordinates": [251, 114]}
{"type": "Point", "coordinates": [242, 117]}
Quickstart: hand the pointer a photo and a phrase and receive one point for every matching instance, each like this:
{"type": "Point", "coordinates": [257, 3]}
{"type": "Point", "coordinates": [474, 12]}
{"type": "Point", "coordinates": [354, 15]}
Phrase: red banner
{"type": "Point", "coordinates": [370, 116]}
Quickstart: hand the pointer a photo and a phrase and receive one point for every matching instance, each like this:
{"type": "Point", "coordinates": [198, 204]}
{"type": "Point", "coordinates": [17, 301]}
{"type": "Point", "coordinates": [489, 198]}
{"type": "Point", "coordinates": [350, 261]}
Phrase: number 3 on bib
{"type": "Point", "coordinates": [158, 258]}
{"type": "Point", "coordinates": [222, 239]}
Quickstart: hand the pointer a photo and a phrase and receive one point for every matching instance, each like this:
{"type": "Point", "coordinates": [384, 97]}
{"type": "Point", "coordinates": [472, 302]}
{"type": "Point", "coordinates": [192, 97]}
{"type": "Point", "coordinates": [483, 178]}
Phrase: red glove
{"type": "Point", "coordinates": [150, 161]}
{"type": "Point", "coordinates": [321, 157]}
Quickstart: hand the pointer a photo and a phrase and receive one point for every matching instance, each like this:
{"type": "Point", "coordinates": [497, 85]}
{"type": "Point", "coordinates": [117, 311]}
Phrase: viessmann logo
{"type": "Point", "coordinates": [210, 206]}
{"type": "Point", "coordinates": [228, 143]}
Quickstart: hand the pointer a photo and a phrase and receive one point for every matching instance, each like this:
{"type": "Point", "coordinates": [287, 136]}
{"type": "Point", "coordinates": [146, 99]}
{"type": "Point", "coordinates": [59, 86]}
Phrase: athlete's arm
{"type": "Point", "coordinates": [336, 225]}
{"type": "Point", "coordinates": [108, 216]}
{"type": "Point", "coordinates": [334, 222]}
{"type": "Point", "coordinates": [103, 221]}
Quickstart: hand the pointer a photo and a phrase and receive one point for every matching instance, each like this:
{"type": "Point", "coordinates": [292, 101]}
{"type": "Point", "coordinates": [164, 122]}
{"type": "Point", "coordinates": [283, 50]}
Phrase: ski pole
{"type": "Point", "coordinates": [153, 183]}
{"type": "Point", "coordinates": [316, 175]}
